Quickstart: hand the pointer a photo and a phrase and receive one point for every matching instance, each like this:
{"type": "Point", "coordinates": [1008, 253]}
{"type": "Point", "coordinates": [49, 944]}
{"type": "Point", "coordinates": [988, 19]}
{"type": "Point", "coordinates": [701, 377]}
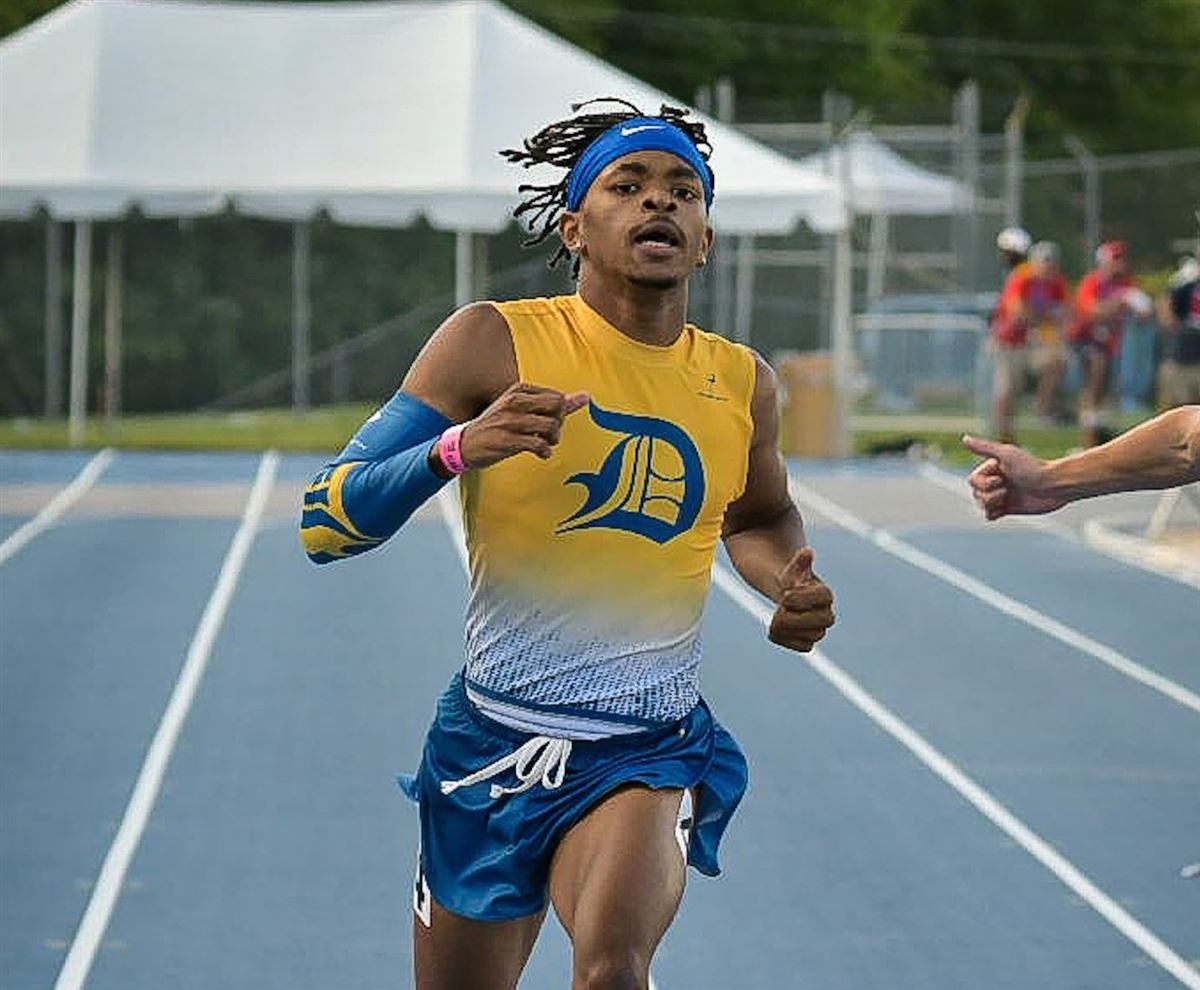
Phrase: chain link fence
{"type": "Point", "coordinates": [207, 310]}
{"type": "Point", "coordinates": [922, 321]}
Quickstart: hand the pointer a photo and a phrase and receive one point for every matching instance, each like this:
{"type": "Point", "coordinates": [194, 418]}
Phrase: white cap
{"type": "Point", "coordinates": [1014, 239]}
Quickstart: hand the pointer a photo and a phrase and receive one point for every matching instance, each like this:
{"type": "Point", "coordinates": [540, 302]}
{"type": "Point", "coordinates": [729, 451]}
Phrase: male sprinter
{"type": "Point", "coordinates": [603, 445]}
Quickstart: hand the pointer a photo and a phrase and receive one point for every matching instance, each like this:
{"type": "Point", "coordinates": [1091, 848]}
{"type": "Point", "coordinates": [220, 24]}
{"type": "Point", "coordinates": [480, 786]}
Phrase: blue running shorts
{"type": "Point", "coordinates": [494, 801]}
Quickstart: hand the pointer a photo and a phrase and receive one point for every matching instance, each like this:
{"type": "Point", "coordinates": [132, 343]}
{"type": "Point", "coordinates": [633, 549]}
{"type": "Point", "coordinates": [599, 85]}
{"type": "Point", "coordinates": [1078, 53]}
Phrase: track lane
{"type": "Point", "coordinates": [1141, 614]}
{"type": "Point", "coordinates": [283, 847]}
{"type": "Point", "coordinates": [97, 616]}
{"type": "Point", "coordinates": [1102, 770]}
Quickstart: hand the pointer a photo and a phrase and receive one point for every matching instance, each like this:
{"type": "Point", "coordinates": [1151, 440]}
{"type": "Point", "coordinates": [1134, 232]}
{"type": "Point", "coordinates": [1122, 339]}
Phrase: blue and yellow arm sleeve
{"type": "Point", "coordinates": [369, 490]}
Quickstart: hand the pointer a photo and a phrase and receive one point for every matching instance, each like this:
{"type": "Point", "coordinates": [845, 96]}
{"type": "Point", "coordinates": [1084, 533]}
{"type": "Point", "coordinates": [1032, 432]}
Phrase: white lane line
{"type": "Point", "coordinates": [54, 509]}
{"type": "Point", "coordinates": [145, 791]}
{"type": "Point", "coordinates": [980, 799]}
{"type": "Point", "coordinates": [1126, 549]}
{"type": "Point", "coordinates": [448, 502]}
{"type": "Point", "coordinates": [996, 599]}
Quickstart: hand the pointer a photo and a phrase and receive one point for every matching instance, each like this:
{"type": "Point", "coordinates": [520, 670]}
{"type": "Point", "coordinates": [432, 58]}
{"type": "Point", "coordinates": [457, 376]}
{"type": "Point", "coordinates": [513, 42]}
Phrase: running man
{"type": "Point", "coordinates": [1163, 452]}
{"type": "Point", "coordinates": [603, 445]}
{"type": "Point", "coordinates": [1104, 298]}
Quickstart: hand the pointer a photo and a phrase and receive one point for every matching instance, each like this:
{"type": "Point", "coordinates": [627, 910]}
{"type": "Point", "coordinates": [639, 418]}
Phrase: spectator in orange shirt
{"type": "Point", "coordinates": [1104, 299]}
{"type": "Point", "coordinates": [1007, 337]}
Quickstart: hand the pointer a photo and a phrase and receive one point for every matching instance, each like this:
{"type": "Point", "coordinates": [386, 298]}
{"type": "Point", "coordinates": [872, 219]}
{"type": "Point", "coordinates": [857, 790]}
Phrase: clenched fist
{"type": "Point", "coordinates": [805, 609]}
{"type": "Point", "coordinates": [524, 418]}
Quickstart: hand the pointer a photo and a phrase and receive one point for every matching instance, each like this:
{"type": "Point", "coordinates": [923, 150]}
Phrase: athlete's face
{"type": "Point", "coordinates": [1116, 267]}
{"type": "Point", "coordinates": [643, 218]}
{"type": "Point", "coordinates": [1044, 267]}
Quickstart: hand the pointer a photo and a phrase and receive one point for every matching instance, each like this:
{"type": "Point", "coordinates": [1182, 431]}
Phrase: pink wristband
{"type": "Point", "coordinates": [449, 448]}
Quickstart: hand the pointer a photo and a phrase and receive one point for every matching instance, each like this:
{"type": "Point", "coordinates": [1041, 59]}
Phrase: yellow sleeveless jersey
{"type": "Point", "coordinates": [589, 570]}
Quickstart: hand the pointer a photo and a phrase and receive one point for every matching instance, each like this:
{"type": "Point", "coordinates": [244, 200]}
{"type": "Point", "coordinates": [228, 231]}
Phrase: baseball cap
{"type": "Point", "coordinates": [1014, 239]}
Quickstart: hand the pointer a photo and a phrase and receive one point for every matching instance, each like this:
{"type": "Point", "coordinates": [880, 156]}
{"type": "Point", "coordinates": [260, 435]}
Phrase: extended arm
{"type": "Point", "coordinates": [764, 534]}
{"type": "Point", "coordinates": [380, 478]}
{"type": "Point", "coordinates": [1161, 453]}
{"type": "Point", "coordinates": [467, 372]}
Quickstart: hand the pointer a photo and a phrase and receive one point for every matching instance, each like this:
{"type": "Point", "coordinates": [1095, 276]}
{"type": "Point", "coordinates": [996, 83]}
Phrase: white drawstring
{"type": "Point", "coordinates": [542, 757]}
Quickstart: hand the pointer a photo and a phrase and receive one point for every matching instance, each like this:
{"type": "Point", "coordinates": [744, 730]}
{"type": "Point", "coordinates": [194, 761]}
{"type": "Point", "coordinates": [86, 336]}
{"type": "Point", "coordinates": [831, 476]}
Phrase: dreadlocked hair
{"type": "Point", "coordinates": [561, 144]}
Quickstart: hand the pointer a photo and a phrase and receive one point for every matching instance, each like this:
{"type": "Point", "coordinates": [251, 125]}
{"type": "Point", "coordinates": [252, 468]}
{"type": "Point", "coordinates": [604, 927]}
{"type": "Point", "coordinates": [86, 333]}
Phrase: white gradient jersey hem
{"type": "Point", "coordinates": [558, 722]}
{"type": "Point", "coordinates": [517, 654]}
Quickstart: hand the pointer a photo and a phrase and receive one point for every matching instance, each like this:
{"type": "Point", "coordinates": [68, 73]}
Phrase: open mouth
{"type": "Point", "coordinates": [658, 234]}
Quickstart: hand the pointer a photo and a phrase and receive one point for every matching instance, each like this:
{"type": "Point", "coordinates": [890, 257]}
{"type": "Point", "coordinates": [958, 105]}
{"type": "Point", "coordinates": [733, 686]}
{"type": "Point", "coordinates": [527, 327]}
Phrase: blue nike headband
{"type": "Point", "coordinates": [635, 134]}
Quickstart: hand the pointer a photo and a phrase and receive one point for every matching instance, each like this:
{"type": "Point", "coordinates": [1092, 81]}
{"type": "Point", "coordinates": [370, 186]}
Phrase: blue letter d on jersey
{"type": "Point", "coordinates": [651, 483]}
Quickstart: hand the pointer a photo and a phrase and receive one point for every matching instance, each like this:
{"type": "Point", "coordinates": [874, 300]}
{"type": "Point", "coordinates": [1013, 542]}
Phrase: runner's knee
{"type": "Point", "coordinates": [612, 971]}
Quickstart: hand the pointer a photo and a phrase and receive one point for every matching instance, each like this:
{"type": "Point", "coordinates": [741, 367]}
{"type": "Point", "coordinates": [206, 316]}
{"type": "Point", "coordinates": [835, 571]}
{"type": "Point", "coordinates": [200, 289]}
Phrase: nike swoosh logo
{"type": "Point", "coordinates": [626, 131]}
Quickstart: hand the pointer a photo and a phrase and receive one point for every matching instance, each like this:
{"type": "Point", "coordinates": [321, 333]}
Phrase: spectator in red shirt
{"type": "Point", "coordinates": [1045, 302]}
{"type": "Point", "coordinates": [1105, 297]}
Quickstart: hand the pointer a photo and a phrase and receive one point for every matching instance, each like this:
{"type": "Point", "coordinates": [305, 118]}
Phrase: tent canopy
{"type": "Point", "coordinates": [374, 112]}
{"type": "Point", "coordinates": [882, 182]}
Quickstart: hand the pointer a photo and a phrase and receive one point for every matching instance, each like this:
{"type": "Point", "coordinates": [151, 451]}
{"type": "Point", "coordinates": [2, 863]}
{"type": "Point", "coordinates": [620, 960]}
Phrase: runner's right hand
{"type": "Point", "coordinates": [524, 418]}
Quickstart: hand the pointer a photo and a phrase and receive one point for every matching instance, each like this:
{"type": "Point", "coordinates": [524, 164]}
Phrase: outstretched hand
{"type": "Point", "coordinates": [1011, 480]}
{"type": "Point", "coordinates": [523, 418]}
{"type": "Point", "coordinates": [805, 609]}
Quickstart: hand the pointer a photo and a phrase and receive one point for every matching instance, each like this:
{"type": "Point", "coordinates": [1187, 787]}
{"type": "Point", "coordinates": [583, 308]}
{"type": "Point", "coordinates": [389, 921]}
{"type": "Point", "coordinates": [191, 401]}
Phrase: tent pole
{"type": "Point", "coordinates": [842, 331]}
{"type": "Point", "coordinates": [723, 291]}
{"type": "Point", "coordinates": [744, 290]}
{"type": "Point", "coordinates": [112, 324]}
{"type": "Point", "coordinates": [966, 119]}
{"type": "Point", "coordinates": [464, 275]}
{"type": "Point", "coordinates": [54, 321]}
{"type": "Point", "coordinates": [1091, 192]}
{"type": "Point", "coordinates": [301, 313]}
{"type": "Point", "coordinates": [81, 301]}
{"type": "Point", "coordinates": [1014, 160]}
{"type": "Point", "coordinates": [877, 256]}
{"type": "Point", "coordinates": [480, 270]}
{"type": "Point", "coordinates": [725, 288]}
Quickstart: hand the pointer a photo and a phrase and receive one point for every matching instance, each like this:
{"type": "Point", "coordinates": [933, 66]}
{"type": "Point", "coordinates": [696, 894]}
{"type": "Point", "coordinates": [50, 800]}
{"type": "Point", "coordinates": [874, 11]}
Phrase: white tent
{"type": "Point", "coordinates": [882, 182]}
{"type": "Point", "coordinates": [374, 112]}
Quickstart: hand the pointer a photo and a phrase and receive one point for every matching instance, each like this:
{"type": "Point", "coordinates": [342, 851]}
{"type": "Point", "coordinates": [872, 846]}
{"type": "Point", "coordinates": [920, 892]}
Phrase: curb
{"type": "Point", "coordinates": [1110, 535]}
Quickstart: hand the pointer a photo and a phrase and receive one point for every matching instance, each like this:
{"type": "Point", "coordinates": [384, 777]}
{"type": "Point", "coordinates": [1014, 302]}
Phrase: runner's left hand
{"type": "Point", "coordinates": [805, 609]}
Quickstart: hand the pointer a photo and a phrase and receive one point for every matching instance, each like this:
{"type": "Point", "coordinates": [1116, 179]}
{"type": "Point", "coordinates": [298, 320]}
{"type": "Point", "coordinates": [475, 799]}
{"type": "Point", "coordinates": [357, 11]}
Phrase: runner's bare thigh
{"type": "Point", "coordinates": [617, 880]}
{"type": "Point", "coordinates": [457, 953]}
